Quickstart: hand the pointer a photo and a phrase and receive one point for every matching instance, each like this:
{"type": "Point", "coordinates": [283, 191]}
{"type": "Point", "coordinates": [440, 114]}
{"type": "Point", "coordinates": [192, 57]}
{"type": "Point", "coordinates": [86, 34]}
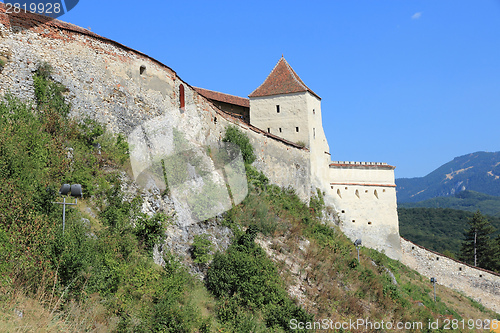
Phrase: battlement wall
{"type": "Point", "coordinates": [369, 213]}
{"type": "Point", "coordinates": [361, 173]}
{"type": "Point", "coordinates": [481, 285]}
{"type": "Point", "coordinates": [351, 163]}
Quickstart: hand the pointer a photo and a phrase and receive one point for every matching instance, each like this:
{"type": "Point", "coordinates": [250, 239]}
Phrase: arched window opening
{"type": "Point", "coordinates": [142, 69]}
{"type": "Point", "coordinates": [181, 97]}
{"type": "Point", "coordinates": [338, 193]}
{"type": "Point", "coordinates": [375, 193]}
{"type": "Point", "coordinates": [357, 193]}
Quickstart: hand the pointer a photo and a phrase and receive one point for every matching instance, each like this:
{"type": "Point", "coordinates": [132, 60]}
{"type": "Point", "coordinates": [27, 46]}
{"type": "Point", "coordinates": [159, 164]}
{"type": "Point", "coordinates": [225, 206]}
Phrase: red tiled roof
{"type": "Point", "coordinates": [281, 80]}
{"type": "Point", "coordinates": [220, 97]}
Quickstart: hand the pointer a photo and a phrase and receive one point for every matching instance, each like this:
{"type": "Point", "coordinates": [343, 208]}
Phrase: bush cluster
{"type": "Point", "coordinates": [236, 136]}
{"type": "Point", "coordinates": [244, 279]}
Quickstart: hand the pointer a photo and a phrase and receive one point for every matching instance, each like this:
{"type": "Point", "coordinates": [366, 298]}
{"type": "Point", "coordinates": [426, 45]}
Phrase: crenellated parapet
{"type": "Point", "coordinates": [338, 164]}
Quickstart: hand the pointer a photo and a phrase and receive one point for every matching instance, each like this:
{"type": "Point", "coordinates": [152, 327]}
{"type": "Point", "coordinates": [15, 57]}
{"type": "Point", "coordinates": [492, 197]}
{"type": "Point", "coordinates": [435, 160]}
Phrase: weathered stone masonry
{"type": "Point", "coordinates": [123, 88]}
{"type": "Point", "coordinates": [480, 284]}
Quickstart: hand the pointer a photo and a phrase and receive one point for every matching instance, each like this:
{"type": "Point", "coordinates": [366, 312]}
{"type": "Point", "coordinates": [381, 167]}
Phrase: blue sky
{"type": "Point", "coordinates": [410, 83]}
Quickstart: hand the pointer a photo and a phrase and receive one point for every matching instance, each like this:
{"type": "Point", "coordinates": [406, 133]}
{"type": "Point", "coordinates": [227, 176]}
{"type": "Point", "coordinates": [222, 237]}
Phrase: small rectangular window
{"type": "Point", "coordinates": [268, 130]}
{"type": "Point", "coordinates": [296, 129]}
{"type": "Point", "coordinates": [314, 111]}
{"type": "Point", "coordinates": [277, 109]}
{"type": "Point", "coordinates": [280, 129]}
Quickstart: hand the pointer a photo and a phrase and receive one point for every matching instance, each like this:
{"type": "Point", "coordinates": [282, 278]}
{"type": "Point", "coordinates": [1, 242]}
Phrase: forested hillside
{"type": "Point", "coordinates": [438, 229]}
{"type": "Point", "coordinates": [466, 200]}
{"type": "Point", "coordinates": [284, 264]}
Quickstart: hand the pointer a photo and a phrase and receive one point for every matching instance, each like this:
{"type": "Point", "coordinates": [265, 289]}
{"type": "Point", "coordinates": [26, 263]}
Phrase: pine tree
{"type": "Point", "coordinates": [479, 232]}
{"type": "Point", "coordinates": [496, 255]}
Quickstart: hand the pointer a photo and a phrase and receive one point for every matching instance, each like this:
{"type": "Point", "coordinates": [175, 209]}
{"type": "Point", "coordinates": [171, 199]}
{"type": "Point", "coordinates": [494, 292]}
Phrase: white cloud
{"type": "Point", "coordinates": [416, 16]}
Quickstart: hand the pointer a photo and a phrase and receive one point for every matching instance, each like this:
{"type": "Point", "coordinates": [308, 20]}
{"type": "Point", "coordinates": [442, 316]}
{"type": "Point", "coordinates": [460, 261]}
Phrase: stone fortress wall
{"type": "Point", "coordinates": [364, 194]}
{"type": "Point", "coordinates": [123, 88]}
{"type": "Point", "coordinates": [480, 284]}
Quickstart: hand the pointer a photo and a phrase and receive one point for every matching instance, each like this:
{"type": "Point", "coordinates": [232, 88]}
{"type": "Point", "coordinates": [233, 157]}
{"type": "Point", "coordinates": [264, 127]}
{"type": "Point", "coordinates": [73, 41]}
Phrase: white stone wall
{"type": "Point", "coordinates": [320, 151]}
{"type": "Point", "coordinates": [481, 285]}
{"type": "Point", "coordinates": [368, 213]}
{"type": "Point", "coordinates": [359, 174]}
{"type": "Point", "coordinates": [292, 115]}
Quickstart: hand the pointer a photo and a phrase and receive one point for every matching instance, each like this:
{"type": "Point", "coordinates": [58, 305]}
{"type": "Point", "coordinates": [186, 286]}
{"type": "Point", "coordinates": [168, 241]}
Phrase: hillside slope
{"type": "Point", "coordinates": [126, 262]}
{"type": "Point", "coordinates": [100, 276]}
{"type": "Point", "coordinates": [479, 171]}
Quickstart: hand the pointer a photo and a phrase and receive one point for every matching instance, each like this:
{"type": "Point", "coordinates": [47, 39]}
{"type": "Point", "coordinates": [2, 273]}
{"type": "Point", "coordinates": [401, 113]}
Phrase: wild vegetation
{"type": "Point", "coordinates": [479, 248]}
{"type": "Point", "coordinates": [100, 276]}
{"type": "Point", "coordinates": [445, 230]}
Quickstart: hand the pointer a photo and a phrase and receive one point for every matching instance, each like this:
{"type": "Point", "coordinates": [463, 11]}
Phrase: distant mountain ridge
{"type": "Point", "coordinates": [479, 172]}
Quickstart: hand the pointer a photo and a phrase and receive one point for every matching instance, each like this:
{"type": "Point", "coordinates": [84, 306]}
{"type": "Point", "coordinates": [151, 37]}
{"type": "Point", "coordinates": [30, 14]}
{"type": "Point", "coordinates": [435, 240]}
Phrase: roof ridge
{"type": "Point", "coordinates": [281, 80]}
{"type": "Point", "coordinates": [272, 70]}
{"type": "Point", "coordinates": [219, 92]}
{"type": "Point", "coordinates": [295, 75]}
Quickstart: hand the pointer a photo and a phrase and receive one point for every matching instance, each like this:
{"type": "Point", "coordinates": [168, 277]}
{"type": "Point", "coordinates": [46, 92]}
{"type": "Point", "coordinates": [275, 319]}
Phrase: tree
{"type": "Point", "coordinates": [478, 239]}
{"type": "Point", "coordinates": [496, 255]}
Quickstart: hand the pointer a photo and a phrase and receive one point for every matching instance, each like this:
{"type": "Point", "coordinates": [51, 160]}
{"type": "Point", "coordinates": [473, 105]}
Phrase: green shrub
{"type": "Point", "coordinates": [317, 203]}
{"type": "Point", "coordinates": [201, 248]}
{"type": "Point", "coordinates": [301, 143]}
{"type": "Point", "coordinates": [149, 230]}
{"type": "Point", "coordinates": [256, 179]}
{"type": "Point", "coordinates": [71, 251]}
{"type": "Point", "coordinates": [245, 273]}
{"type": "Point", "coordinates": [236, 136]}
{"type": "Point", "coordinates": [48, 93]}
